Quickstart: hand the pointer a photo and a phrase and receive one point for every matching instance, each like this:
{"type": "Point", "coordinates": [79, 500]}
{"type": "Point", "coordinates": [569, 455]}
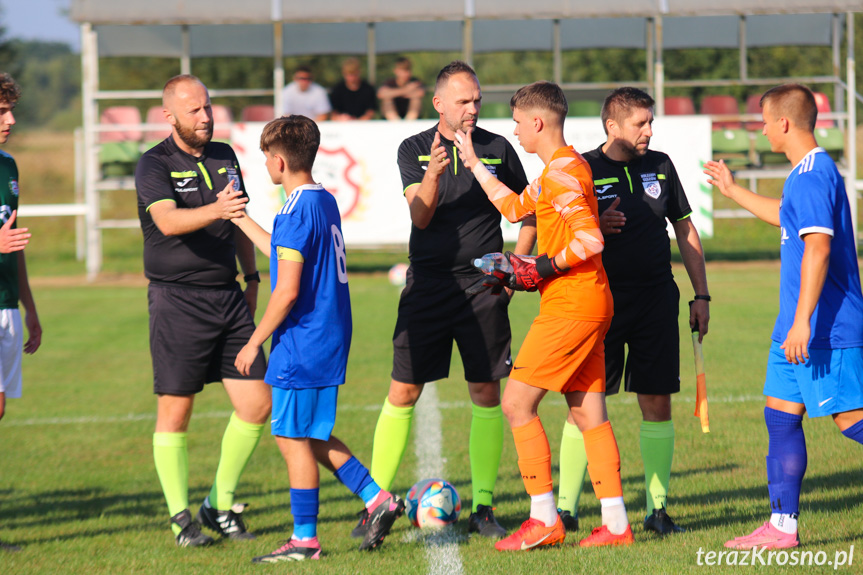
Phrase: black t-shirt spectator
{"type": "Point", "coordinates": [353, 102]}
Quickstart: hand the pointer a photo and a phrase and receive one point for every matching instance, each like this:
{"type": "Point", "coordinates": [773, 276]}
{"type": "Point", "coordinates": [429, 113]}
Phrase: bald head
{"type": "Point", "coordinates": [186, 105]}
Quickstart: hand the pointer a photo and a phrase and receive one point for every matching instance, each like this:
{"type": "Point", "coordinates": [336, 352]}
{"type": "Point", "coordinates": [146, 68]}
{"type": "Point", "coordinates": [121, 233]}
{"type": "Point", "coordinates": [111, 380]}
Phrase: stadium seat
{"type": "Point", "coordinates": [258, 113]}
{"type": "Point", "coordinates": [679, 106]}
{"type": "Point", "coordinates": [753, 106]}
{"type": "Point", "coordinates": [153, 137]}
{"type": "Point", "coordinates": [733, 146]}
{"type": "Point", "coordinates": [119, 149]}
{"type": "Point", "coordinates": [823, 104]}
{"type": "Point", "coordinates": [585, 108]}
{"type": "Point", "coordinates": [222, 120]}
{"type": "Point", "coordinates": [832, 140]}
{"type": "Point", "coordinates": [722, 105]}
{"type": "Point", "coordinates": [496, 110]}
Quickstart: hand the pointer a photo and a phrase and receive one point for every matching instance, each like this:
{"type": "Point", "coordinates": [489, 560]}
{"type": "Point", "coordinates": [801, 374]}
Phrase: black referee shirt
{"type": "Point", "coordinates": [465, 224]}
{"type": "Point", "coordinates": [650, 192]}
{"type": "Point", "coordinates": [207, 257]}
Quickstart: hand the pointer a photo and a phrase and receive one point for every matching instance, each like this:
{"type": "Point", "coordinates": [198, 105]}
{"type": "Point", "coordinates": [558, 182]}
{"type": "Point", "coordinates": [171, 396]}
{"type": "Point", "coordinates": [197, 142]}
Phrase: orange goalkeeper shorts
{"type": "Point", "coordinates": [563, 355]}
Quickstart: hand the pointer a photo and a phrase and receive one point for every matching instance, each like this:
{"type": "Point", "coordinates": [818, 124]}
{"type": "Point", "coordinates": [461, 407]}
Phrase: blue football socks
{"type": "Point", "coordinates": [786, 460]}
{"type": "Point", "coordinates": [304, 508]}
{"type": "Point", "coordinates": [855, 432]}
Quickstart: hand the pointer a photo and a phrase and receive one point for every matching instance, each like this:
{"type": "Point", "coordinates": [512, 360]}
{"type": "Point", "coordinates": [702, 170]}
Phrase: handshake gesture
{"type": "Point", "coordinates": [520, 273]}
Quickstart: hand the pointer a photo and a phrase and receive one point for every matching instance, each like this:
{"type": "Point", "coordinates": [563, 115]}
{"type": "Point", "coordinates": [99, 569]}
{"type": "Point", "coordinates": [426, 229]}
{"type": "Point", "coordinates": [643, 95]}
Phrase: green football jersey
{"type": "Point", "coordinates": [8, 203]}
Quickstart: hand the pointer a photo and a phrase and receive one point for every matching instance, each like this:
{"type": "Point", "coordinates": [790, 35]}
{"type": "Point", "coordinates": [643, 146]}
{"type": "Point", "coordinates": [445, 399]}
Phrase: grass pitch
{"type": "Point", "coordinates": [79, 492]}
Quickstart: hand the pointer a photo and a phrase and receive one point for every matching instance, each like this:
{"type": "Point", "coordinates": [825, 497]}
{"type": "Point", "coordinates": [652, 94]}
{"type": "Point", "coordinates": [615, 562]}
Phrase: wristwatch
{"type": "Point", "coordinates": [704, 297]}
{"type": "Point", "coordinates": [256, 277]}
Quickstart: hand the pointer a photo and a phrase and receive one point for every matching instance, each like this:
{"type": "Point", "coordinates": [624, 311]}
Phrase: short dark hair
{"type": "Point", "coordinates": [620, 103]}
{"type": "Point", "coordinates": [402, 62]}
{"type": "Point", "coordinates": [303, 68]}
{"type": "Point", "coordinates": [10, 91]}
{"type": "Point", "coordinates": [541, 95]}
{"type": "Point", "coordinates": [795, 102]}
{"type": "Point", "coordinates": [450, 70]}
{"type": "Point", "coordinates": [297, 138]}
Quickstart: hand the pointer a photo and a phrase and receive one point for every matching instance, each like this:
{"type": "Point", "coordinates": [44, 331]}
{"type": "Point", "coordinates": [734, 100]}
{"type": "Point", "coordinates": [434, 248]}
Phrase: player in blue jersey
{"type": "Point", "coordinates": [815, 364]}
{"type": "Point", "coordinates": [309, 318]}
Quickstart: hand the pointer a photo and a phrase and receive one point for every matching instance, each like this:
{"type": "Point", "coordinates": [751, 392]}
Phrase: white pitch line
{"type": "Point", "coordinates": [100, 419]}
{"type": "Point", "coordinates": [441, 546]}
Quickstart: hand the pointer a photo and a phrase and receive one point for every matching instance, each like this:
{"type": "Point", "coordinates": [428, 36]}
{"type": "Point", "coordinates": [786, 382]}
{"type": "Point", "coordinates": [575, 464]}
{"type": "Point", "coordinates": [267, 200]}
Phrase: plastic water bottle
{"type": "Point", "coordinates": [490, 263]}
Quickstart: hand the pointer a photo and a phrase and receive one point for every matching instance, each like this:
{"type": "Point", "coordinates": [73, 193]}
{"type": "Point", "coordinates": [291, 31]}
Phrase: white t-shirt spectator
{"type": "Point", "coordinates": [311, 103]}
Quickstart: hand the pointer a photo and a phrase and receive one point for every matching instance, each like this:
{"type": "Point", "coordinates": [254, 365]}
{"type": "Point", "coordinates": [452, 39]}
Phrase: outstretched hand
{"type": "Point", "coordinates": [230, 203]}
{"type": "Point", "coordinates": [13, 239]}
{"type": "Point", "coordinates": [719, 176]}
{"type": "Point", "coordinates": [438, 160]}
{"type": "Point", "coordinates": [464, 143]}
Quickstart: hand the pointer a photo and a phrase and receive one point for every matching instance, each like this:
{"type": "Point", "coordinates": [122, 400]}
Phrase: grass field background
{"type": "Point", "coordinates": [79, 492]}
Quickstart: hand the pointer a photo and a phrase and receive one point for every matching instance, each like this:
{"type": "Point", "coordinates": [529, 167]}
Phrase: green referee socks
{"type": "Point", "coordinates": [391, 439]}
{"type": "Point", "coordinates": [238, 444]}
{"type": "Point", "coordinates": [657, 449]}
{"type": "Point", "coordinates": [573, 468]}
{"type": "Point", "coordinates": [486, 445]}
{"type": "Point", "coordinates": [172, 466]}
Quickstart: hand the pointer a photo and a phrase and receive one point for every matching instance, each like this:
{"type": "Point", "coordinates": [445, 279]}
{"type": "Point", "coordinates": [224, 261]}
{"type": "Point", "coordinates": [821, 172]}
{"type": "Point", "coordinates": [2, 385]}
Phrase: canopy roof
{"type": "Point", "coordinates": [261, 11]}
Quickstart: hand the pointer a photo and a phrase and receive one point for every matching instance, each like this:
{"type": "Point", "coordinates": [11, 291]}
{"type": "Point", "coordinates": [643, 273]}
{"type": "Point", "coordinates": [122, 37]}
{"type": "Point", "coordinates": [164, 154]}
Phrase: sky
{"type": "Point", "coordinates": [39, 20]}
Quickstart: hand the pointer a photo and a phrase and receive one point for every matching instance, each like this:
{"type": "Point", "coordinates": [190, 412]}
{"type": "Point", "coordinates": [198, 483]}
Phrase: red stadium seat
{"type": "Point", "coordinates": [156, 116]}
{"type": "Point", "coordinates": [721, 105]}
{"type": "Point", "coordinates": [679, 106]}
{"type": "Point", "coordinates": [823, 104]}
{"type": "Point", "coordinates": [753, 106]}
{"type": "Point", "coordinates": [121, 115]}
{"type": "Point", "coordinates": [222, 120]}
{"type": "Point", "coordinates": [258, 113]}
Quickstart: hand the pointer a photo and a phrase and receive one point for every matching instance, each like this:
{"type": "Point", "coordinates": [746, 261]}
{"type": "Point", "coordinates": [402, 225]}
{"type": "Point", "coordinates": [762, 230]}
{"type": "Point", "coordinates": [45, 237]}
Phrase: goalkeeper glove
{"type": "Point", "coordinates": [492, 282]}
{"type": "Point", "coordinates": [528, 272]}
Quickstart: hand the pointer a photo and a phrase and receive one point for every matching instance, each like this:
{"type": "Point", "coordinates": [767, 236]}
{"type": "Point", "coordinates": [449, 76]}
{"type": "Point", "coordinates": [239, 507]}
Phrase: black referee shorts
{"type": "Point", "coordinates": [195, 336]}
{"type": "Point", "coordinates": [434, 312]}
{"type": "Point", "coordinates": [645, 321]}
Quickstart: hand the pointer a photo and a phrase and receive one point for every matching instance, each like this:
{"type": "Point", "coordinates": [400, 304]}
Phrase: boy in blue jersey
{"type": "Point", "coordinates": [815, 364]}
{"type": "Point", "coordinates": [309, 318]}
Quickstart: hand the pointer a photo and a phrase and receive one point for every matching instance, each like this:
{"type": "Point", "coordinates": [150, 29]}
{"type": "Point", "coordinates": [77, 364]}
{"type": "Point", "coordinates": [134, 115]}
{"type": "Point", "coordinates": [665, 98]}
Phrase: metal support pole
{"type": "Point", "coordinates": [650, 26]}
{"type": "Point", "coordinates": [557, 57]}
{"type": "Point", "coordinates": [659, 71]}
{"type": "Point", "coordinates": [278, 69]}
{"type": "Point", "coordinates": [371, 53]}
{"type": "Point", "coordinates": [186, 57]}
{"type": "Point", "coordinates": [851, 132]}
{"type": "Point", "coordinates": [89, 87]}
{"type": "Point", "coordinates": [838, 99]}
{"type": "Point", "coordinates": [741, 42]}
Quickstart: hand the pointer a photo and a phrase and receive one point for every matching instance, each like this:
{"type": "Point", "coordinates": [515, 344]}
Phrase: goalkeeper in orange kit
{"type": "Point", "coordinates": [563, 351]}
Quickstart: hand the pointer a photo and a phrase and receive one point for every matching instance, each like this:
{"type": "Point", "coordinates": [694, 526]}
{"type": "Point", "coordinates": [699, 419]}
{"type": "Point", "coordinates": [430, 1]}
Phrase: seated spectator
{"type": "Point", "coordinates": [353, 98]}
{"type": "Point", "coordinates": [303, 97]}
{"type": "Point", "coordinates": [402, 95]}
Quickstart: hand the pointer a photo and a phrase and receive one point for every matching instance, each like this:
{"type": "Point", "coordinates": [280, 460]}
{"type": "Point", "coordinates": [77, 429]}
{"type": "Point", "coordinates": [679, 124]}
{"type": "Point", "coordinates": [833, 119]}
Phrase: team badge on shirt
{"type": "Point", "coordinates": [13, 187]}
{"type": "Point", "coordinates": [651, 185]}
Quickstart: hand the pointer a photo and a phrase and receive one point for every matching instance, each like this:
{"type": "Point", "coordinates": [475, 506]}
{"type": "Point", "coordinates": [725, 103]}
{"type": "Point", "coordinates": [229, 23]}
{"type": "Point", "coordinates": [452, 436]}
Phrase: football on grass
{"type": "Point", "coordinates": [432, 503]}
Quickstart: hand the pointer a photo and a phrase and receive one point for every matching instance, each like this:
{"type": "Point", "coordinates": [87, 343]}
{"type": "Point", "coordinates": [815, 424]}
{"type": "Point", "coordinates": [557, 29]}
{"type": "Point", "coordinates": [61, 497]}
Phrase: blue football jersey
{"type": "Point", "coordinates": [814, 201]}
{"type": "Point", "coordinates": [310, 348]}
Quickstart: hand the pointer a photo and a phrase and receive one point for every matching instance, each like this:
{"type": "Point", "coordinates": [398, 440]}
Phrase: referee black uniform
{"type": "Point", "coordinates": [434, 310]}
{"type": "Point", "coordinates": [199, 319]}
{"type": "Point", "coordinates": [638, 264]}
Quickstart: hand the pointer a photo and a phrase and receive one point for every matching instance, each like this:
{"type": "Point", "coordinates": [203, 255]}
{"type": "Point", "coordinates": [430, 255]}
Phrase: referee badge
{"type": "Point", "coordinates": [13, 187]}
{"type": "Point", "coordinates": [652, 189]}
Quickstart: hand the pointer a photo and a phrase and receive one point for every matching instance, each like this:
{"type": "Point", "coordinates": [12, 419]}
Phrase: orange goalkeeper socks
{"type": "Point", "coordinates": [603, 461]}
{"type": "Point", "coordinates": [534, 457]}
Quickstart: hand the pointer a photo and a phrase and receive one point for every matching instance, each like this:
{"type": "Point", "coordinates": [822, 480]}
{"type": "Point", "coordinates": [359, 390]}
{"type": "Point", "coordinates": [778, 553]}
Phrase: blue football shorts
{"type": "Point", "coordinates": [304, 413]}
{"type": "Point", "coordinates": [830, 382]}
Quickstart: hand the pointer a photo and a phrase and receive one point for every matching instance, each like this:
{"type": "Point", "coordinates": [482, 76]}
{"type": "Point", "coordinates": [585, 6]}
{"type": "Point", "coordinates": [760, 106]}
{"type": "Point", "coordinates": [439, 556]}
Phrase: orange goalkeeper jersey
{"type": "Point", "coordinates": [567, 221]}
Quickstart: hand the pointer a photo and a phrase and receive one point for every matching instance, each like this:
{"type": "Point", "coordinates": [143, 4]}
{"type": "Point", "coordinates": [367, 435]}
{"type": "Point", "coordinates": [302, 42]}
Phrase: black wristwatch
{"type": "Point", "coordinates": [256, 277]}
{"type": "Point", "coordinates": [704, 297]}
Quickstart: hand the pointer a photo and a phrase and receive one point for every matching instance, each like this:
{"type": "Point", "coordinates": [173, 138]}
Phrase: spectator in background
{"type": "Point", "coordinates": [402, 95]}
{"type": "Point", "coordinates": [303, 97]}
{"type": "Point", "coordinates": [353, 98]}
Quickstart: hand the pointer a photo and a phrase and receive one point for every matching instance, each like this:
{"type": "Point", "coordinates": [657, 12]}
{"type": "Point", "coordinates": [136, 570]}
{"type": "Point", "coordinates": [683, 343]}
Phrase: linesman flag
{"type": "Point", "coordinates": [700, 381]}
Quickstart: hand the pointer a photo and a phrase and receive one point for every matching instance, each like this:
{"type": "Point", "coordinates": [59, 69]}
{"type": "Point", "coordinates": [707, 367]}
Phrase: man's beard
{"type": "Point", "coordinates": [191, 138]}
